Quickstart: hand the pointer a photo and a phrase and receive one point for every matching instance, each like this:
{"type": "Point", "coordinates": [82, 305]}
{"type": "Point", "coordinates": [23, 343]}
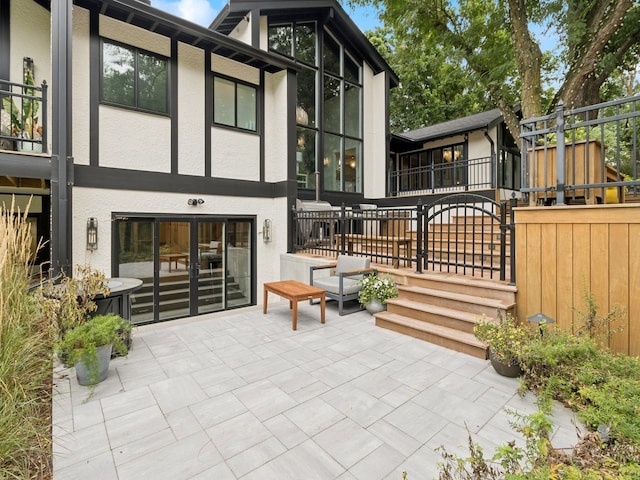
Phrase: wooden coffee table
{"type": "Point", "coordinates": [295, 291]}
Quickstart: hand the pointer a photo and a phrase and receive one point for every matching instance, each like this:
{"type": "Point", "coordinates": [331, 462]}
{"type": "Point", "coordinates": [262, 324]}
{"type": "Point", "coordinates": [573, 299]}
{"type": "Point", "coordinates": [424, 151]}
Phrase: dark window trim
{"type": "Point", "coordinates": [236, 82]}
{"type": "Point", "coordinates": [136, 51]}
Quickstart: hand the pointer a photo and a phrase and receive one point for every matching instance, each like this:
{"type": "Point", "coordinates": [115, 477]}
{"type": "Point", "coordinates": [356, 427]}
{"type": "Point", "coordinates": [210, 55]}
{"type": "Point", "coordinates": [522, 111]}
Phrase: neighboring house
{"type": "Point", "coordinates": [173, 152]}
{"type": "Point", "coordinates": [475, 153]}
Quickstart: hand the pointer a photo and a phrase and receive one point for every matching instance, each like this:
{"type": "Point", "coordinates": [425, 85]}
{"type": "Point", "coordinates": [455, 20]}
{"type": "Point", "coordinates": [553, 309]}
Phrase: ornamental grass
{"type": "Point", "coordinates": [25, 358]}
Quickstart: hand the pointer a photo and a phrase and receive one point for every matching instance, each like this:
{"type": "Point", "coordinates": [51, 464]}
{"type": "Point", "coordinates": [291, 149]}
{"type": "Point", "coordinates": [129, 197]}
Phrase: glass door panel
{"type": "Point", "coordinates": [238, 263]}
{"type": "Point", "coordinates": [210, 288]}
{"type": "Point", "coordinates": [135, 259]}
{"type": "Point", "coordinates": [174, 273]}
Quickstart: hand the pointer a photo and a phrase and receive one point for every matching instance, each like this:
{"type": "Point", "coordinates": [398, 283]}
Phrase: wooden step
{"type": "Point", "coordinates": [476, 220]}
{"type": "Point", "coordinates": [459, 284]}
{"type": "Point", "coordinates": [446, 337]}
{"type": "Point", "coordinates": [435, 314]}
{"type": "Point", "coordinates": [475, 304]}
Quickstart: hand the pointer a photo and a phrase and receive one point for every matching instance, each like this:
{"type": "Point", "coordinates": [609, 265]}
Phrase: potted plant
{"type": "Point", "coordinates": [70, 301]}
{"type": "Point", "coordinates": [376, 290]}
{"type": "Point", "coordinates": [506, 338]}
{"type": "Point", "coordinates": [88, 346]}
{"type": "Point", "coordinates": [24, 121]}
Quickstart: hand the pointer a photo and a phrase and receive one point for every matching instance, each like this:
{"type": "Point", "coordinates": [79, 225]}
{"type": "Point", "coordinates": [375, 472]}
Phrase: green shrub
{"type": "Point", "coordinates": [81, 342]}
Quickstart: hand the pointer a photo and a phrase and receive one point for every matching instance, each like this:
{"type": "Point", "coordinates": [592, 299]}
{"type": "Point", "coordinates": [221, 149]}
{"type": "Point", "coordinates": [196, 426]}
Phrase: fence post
{"type": "Point", "coordinates": [503, 240]}
{"type": "Point", "coordinates": [343, 212]}
{"type": "Point", "coordinates": [419, 227]}
{"type": "Point", "coordinates": [560, 154]}
{"type": "Point", "coordinates": [292, 245]}
{"type": "Point", "coordinates": [512, 235]}
{"type": "Point", "coordinates": [45, 122]}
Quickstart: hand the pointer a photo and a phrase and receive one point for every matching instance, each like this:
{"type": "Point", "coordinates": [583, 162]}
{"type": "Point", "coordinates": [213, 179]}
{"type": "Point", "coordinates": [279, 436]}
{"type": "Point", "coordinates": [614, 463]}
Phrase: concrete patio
{"type": "Point", "coordinates": [239, 395]}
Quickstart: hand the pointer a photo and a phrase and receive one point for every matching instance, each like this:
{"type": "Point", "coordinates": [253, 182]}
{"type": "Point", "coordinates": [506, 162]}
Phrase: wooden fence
{"type": "Point", "coordinates": [563, 252]}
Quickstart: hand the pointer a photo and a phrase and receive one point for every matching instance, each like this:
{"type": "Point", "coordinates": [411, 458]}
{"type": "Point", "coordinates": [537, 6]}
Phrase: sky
{"type": "Point", "coordinates": [204, 11]}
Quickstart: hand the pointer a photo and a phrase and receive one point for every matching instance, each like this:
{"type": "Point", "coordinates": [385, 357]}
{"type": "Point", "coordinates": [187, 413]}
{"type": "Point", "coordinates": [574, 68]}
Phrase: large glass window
{"type": "Point", "coordinates": [440, 167]}
{"type": "Point", "coordinates": [332, 104]}
{"type": "Point", "coordinates": [306, 42]}
{"type": "Point", "coordinates": [335, 135]}
{"type": "Point", "coordinates": [234, 104]}
{"type": "Point", "coordinates": [281, 39]}
{"type": "Point", "coordinates": [134, 78]}
{"type": "Point", "coordinates": [342, 96]}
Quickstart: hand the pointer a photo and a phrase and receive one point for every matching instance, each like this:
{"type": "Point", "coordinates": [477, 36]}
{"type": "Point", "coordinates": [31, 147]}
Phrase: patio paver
{"type": "Point", "coordinates": [239, 395]}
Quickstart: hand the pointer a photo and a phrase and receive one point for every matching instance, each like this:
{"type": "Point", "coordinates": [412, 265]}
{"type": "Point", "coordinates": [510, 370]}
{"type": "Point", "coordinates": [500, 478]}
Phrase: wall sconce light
{"type": "Point", "coordinates": [92, 234]}
{"type": "Point", "coordinates": [266, 230]}
{"type": "Point", "coordinates": [195, 201]}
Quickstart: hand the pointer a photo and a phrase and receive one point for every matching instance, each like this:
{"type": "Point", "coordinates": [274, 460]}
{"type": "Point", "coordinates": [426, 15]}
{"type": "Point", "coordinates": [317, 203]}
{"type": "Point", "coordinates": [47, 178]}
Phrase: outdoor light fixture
{"type": "Point", "coordinates": [195, 201]}
{"type": "Point", "coordinates": [266, 230]}
{"type": "Point", "coordinates": [541, 319]}
{"type": "Point", "coordinates": [92, 234]}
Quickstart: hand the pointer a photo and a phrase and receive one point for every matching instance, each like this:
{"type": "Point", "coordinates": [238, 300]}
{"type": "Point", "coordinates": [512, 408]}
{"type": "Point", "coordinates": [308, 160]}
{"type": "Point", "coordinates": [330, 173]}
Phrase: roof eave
{"type": "Point", "coordinates": [152, 19]}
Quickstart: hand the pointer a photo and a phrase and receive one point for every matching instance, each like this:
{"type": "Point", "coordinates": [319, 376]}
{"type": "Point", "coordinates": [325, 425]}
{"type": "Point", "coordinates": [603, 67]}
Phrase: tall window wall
{"type": "Point", "coordinates": [329, 142]}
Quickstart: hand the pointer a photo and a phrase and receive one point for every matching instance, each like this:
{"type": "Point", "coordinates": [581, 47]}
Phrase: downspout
{"type": "Point", "coordinates": [61, 145]}
{"type": "Point", "coordinates": [494, 161]}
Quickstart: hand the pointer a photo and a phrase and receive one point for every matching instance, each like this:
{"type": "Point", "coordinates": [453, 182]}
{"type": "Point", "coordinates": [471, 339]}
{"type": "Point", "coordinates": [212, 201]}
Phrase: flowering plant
{"type": "Point", "coordinates": [506, 337]}
{"type": "Point", "coordinates": [376, 287]}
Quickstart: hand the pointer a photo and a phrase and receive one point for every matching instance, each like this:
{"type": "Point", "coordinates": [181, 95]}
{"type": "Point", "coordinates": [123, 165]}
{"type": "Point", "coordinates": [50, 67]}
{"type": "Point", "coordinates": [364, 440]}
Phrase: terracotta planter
{"type": "Point", "coordinates": [375, 306]}
{"type": "Point", "coordinates": [511, 369]}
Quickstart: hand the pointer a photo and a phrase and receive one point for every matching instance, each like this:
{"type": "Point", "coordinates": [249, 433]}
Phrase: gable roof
{"type": "Point", "coordinates": [451, 128]}
{"type": "Point", "coordinates": [330, 11]}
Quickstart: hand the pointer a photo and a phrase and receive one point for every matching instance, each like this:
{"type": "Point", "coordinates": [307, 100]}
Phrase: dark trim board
{"type": "Point", "coordinates": [12, 165]}
{"type": "Point", "coordinates": [123, 179]}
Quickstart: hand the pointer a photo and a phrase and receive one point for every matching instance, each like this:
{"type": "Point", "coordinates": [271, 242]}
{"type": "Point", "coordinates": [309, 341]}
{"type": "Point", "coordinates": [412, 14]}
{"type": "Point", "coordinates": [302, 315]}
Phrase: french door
{"type": "Point", "coordinates": [188, 265]}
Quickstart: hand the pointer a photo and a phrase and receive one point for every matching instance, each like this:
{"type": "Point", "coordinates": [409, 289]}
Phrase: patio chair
{"type": "Point", "coordinates": [344, 283]}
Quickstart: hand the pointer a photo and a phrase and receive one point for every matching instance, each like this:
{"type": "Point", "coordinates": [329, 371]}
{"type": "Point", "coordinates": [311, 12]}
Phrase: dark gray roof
{"type": "Point", "coordinates": [458, 126]}
{"type": "Point", "coordinates": [328, 10]}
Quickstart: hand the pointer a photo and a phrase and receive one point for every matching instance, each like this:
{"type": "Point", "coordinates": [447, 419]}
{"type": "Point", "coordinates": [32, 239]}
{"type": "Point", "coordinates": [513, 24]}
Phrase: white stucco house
{"type": "Point", "coordinates": [170, 152]}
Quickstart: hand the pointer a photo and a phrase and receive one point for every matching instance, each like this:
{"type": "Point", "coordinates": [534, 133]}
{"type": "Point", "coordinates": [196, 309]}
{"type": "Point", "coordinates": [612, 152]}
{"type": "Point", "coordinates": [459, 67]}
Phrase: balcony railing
{"type": "Point", "coordinates": [458, 176]}
{"type": "Point", "coordinates": [587, 155]}
{"type": "Point", "coordinates": [23, 117]}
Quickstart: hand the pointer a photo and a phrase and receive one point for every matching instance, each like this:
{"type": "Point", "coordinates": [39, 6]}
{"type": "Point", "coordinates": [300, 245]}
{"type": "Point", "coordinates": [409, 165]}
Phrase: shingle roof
{"type": "Point", "coordinates": [453, 127]}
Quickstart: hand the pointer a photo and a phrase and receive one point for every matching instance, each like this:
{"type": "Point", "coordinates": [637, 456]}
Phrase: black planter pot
{"type": "Point", "coordinates": [511, 369]}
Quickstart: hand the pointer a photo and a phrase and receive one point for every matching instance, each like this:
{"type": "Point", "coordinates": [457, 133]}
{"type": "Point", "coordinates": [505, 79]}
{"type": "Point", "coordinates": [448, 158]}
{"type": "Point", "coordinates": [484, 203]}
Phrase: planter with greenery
{"type": "Point", "coordinates": [24, 121]}
{"type": "Point", "coordinates": [376, 290]}
{"type": "Point", "coordinates": [506, 338]}
{"type": "Point", "coordinates": [82, 344]}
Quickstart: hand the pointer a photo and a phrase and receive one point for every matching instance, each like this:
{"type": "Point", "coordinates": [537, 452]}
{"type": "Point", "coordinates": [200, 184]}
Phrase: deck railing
{"type": "Point", "coordinates": [585, 155]}
{"type": "Point", "coordinates": [462, 233]}
{"type": "Point", "coordinates": [23, 117]}
{"type": "Point", "coordinates": [461, 175]}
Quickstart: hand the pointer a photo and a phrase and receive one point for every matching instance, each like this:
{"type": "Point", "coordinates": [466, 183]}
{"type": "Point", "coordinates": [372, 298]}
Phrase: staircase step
{"type": "Point", "coordinates": [434, 314]}
{"type": "Point", "coordinates": [446, 337]}
{"type": "Point", "coordinates": [459, 284]}
{"type": "Point", "coordinates": [475, 304]}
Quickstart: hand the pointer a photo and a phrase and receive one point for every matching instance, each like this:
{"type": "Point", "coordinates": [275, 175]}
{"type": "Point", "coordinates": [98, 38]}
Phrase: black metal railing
{"type": "Point", "coordinates": [461, 175]}
{"type": "Point", "coordinates": [460, 233]}
{"type": "Point", "coordinates": [23, 117]}
{"type": "Point", "coordinates": [585, 155]}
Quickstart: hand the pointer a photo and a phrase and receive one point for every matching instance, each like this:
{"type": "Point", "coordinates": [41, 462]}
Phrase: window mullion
{"type": "Point", "coordinates": [136, 79]}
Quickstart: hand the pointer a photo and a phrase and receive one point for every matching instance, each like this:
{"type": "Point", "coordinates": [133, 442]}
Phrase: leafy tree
{"type": "Point", "coordinates": [435, 83]}
{"type": "Point", "coordinates": [498, 40]}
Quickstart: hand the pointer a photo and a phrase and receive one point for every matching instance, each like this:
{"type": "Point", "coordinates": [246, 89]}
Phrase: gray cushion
{"type": "Point", "coordinates": [331, 285]}
{"type": "Point", "coordinates": [347, 263]}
